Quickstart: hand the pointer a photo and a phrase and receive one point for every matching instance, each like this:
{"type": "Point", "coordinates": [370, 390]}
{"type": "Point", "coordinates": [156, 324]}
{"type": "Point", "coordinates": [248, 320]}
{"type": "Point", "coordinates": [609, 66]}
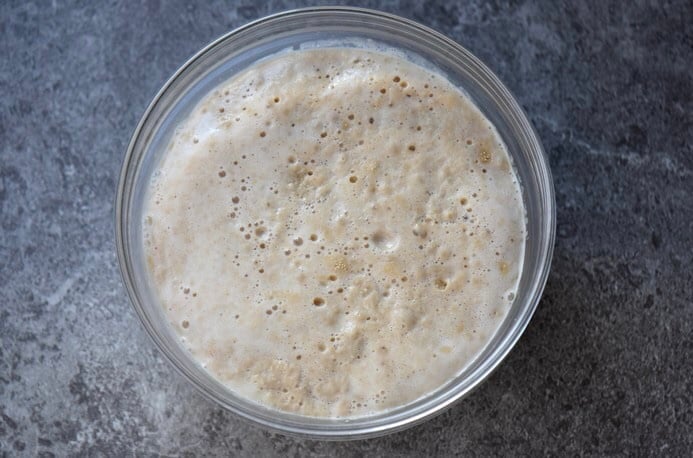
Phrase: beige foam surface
{"type": "Point", "coordinates": [335, 232]}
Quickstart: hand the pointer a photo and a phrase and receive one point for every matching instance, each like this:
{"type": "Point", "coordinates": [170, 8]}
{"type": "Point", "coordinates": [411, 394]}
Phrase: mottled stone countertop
{"type": "Point", "coordinates": [604, 368]}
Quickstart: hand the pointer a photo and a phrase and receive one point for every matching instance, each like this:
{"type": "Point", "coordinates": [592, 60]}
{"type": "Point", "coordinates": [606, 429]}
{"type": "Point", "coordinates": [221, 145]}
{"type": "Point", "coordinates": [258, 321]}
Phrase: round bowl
{"type": "Point", "coordinates": [329, 27]}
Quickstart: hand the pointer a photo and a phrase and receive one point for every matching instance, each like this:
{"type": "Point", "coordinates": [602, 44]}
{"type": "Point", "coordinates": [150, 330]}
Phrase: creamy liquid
{"type": "Point", "coordinates": [335, 232]}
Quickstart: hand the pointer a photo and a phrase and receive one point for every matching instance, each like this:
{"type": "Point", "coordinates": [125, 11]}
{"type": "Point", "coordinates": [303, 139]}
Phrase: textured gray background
{"type": "Point", "coordinates": [606, 365]}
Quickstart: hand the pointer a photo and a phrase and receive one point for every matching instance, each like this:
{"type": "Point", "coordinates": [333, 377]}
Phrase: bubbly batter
{"type": "Point", "coordinates": [335, 232]}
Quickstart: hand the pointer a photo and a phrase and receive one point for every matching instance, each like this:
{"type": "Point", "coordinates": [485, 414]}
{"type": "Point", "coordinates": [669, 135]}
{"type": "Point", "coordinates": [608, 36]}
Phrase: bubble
{"type": "Point", "coordinates": [441, 284]}
{"type": "Point", "coordinates": [420, 231]}
{"type": "Point", "coordinates": [384, 239]}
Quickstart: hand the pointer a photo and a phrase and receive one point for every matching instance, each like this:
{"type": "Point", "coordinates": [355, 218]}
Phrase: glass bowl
{"type": "Point", "coordinates": [327, 27]}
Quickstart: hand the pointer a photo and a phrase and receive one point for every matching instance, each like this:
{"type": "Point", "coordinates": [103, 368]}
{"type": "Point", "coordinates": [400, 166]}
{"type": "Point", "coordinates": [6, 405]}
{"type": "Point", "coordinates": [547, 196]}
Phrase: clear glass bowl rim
{"type": "Point", "coordinates": [435, 403]}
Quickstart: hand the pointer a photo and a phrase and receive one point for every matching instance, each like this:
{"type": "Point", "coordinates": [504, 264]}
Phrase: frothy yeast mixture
{"type": "Point", "coordinates": [335, 232]}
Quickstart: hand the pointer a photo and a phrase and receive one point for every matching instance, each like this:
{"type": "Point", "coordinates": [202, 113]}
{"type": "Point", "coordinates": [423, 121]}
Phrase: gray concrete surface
{"type": "Point", "coordinates": [606, 365]}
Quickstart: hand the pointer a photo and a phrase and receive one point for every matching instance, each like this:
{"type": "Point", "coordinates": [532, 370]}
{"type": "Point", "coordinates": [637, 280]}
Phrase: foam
{"type": "Point", "coordinates": [335, 232]}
